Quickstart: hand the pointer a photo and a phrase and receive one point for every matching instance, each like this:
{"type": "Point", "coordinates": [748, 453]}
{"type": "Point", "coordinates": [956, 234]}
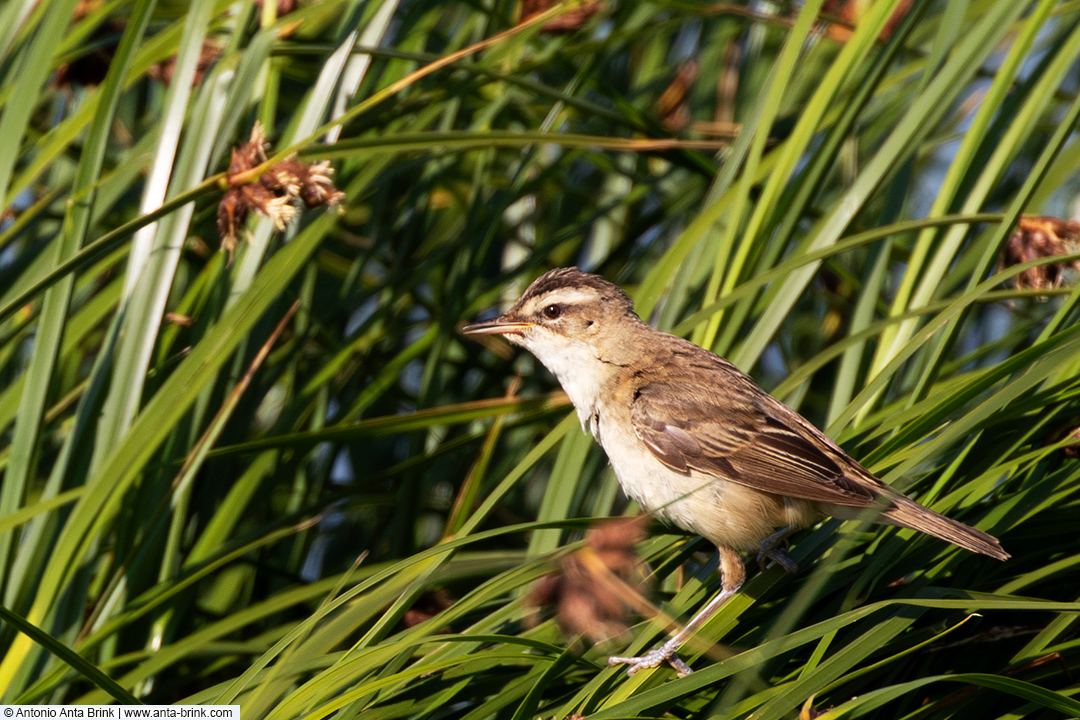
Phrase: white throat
{"type": "Point", "coordinates": [578, 370]}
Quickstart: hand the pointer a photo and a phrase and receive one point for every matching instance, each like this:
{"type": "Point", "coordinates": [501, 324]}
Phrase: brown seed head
{"type": "Point", "coordinates": [1041, 237]}
{"type": "Point", "coordinates": [568, 21]}
{"type": "Point", "coordinates": [671, 106]}
{"type": "Point", "coordinates": [275, 193]}
{"type": "Point", "coordinates": [1073, 451]}
{"type": "Point", "coordinates": [208, 55]}
{"type": "Point", "coordinates": [592, 590]}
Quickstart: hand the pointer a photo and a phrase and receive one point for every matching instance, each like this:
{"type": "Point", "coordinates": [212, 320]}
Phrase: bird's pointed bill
{"type": "Point", "coordinates": [498, 326]}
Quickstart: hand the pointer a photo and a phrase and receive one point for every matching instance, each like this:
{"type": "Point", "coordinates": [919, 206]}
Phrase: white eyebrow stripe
{"type": "Point", "coordinates": [569, 296]}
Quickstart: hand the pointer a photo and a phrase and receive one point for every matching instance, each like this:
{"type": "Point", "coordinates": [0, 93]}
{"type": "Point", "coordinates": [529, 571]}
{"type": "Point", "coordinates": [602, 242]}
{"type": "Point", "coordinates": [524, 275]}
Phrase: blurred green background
{"type": "Point", "coordinates": [281, 478]}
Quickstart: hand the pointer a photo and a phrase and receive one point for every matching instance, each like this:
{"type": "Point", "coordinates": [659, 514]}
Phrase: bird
{"type": "Point", "coordinates": [697, 442]}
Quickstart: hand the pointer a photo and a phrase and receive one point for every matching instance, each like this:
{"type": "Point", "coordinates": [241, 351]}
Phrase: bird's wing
{"type": "Point", "coordinates": [745, 438]}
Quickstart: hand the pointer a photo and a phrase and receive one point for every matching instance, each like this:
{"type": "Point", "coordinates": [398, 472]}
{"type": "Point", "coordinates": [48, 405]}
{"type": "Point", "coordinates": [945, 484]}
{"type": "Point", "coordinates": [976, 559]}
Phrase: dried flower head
{"type": "Point", "coordinates": [671, 106]}
{"type": "Point", "coordinates": [1040, 237]}
{"type": "Point", "coordinates": [429, 604]}
{"type": "Point", "coordinates": [1073, 450]}
{"type": "Point", "coordinates": [275, 193]}
{"type": "Point", "coordinates": [566, 22]}
{"type": "Point", "coordinates": [284, 7]}
{"type": "Point", "coordinates": [310, 183]}
{"type": "Point", "coordinates": [850, 12]}
{"type": "Point", "coordinates": [593, 589]}
{"type": "Point", "coordinates": [208, 55]}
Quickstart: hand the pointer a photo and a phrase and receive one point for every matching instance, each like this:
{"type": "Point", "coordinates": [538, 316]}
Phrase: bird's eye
{"type": "Point", "coordinates": [551, 312]}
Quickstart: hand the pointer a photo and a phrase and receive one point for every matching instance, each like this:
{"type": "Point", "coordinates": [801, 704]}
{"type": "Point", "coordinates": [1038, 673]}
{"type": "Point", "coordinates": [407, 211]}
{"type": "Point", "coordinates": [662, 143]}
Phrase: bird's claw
{"type": "Point", "coordinates": [779, 558]}
{"type": "Point", "coordinates": [653, 659]}
{"type": "Point", "coordinates": [769, 551]}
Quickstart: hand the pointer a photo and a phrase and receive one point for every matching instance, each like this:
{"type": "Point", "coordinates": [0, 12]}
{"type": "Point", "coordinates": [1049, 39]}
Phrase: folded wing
{"type": "Point", "coordinates": [736, 436]}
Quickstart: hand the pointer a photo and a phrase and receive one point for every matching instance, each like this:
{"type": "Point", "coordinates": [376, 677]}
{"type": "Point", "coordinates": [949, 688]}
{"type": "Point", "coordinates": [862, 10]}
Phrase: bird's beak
{"type": "Point", "coordinates": [498, 326]}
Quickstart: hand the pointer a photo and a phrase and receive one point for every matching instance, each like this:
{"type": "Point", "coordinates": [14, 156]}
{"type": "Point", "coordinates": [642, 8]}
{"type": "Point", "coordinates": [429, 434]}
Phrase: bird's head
{"type": "Point", "coordinates": [570, 320]}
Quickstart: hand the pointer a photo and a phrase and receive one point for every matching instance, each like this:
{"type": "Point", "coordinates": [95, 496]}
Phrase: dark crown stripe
{"type": "Point", "coordinates": [571, 277]}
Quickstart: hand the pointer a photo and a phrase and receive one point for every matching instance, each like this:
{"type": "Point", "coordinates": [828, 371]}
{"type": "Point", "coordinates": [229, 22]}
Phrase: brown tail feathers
{"type": "Point", "coordinates": [908, 513]}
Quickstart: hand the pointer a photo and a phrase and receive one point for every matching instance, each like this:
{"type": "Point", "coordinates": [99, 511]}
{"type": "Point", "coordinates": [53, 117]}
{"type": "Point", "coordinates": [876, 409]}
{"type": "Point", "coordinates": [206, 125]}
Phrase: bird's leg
{"type": "Point", "coordinates": [769, 551]}
{"type": "Point", "coordinates": [732, 574]}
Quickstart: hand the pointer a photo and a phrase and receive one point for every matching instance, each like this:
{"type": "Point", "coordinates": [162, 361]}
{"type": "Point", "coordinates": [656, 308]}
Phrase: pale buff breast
{"type": "Point", "coordinates": [725, 513]}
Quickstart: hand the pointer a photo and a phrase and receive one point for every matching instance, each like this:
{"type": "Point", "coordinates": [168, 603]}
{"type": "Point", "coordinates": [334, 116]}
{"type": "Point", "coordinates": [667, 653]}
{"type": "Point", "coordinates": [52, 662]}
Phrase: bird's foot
{"type": "Point", "coordinates": [652, 659]}
{"type": "Point", "coordinates": [769, 551]}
